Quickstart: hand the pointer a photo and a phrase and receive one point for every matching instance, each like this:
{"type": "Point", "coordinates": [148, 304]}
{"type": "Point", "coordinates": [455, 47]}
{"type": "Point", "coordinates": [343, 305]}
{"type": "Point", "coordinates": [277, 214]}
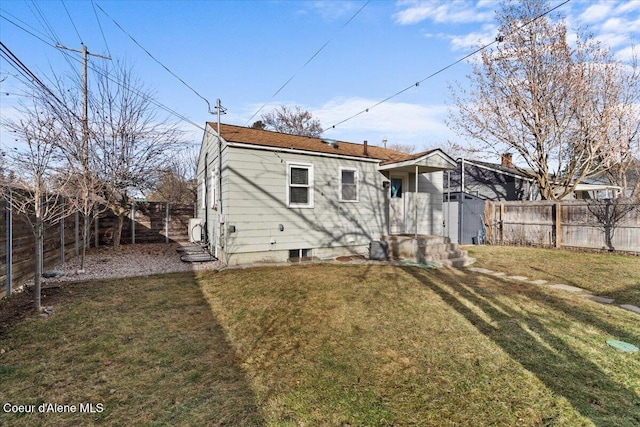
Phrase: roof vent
{"type": "Point", "coordinates": [331, 142]}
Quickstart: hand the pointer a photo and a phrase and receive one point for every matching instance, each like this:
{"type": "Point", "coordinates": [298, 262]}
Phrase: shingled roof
{"type": "Point", "coordinates": [244, 135]}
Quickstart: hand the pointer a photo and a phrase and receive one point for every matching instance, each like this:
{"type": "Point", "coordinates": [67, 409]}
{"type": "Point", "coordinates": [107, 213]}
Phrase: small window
{"type": "Point", "coordinates": [348, 185]}
{"type": "Point", "coordinates": [297, 255]}
{"type": "Point", "coordinates": [299, 185]}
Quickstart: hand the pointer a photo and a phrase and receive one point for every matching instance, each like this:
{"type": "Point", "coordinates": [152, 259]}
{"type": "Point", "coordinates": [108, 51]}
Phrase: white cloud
{"type": "Point", "coordinates": [472, 40]}
{"type": "Point", "coordinates": [596, 12]}
{"type": "Point", "coordinates": [456, 11]}
{"type": "Point", "coordinates": [332, 10]}
{"type": "Point", "coordinates": [420, 125]}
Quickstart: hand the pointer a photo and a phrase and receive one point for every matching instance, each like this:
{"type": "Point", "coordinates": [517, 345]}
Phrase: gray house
{"type": "Point", "coordinates": [270, 197]}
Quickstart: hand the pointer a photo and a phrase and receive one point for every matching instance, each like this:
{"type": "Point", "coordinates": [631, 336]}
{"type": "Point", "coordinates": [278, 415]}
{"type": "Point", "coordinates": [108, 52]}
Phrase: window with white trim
{"type": "Point", "coordinates": [299, 185]}
{"type": "Point", "coordinates": [348, 185]}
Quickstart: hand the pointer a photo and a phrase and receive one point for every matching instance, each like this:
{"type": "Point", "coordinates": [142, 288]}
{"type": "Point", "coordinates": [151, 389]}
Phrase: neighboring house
{"type": "Point", "coordinates": [489, 181]}
{"type": "Point", "coordinates": [271, 197]}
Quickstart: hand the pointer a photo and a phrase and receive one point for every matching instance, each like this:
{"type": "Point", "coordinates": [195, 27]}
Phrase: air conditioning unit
{"type": "Point", "coordinates": [196, 230]}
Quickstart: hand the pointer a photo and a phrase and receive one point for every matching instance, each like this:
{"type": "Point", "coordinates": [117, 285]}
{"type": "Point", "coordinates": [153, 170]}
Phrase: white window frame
{"type": "Point", "coordinates": [356, 183]}
{"type": "Point", "coordinates": [309, 167]}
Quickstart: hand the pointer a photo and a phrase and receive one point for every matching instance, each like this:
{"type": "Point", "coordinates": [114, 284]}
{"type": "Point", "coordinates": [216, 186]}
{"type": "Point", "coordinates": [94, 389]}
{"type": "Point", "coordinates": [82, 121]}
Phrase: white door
{"type": "Point", "coordinates": [397, 205]}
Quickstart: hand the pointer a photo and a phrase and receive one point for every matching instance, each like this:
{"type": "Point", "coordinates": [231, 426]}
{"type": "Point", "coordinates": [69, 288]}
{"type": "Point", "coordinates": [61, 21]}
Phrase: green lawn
{"type": "Point", "coordinates": [611, 275]}
{"type": "Point", "coordinates": [327, 345]}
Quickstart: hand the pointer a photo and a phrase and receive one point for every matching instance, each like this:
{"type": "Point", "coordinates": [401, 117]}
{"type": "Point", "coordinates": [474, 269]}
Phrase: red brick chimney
{"type": "Point", "coordinates": [507, 160]}
{"type": "Point", "coordinates": [365, 151]}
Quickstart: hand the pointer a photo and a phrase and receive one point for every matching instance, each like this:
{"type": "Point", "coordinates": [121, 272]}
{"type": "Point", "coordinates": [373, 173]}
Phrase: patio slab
{"type": "Point", "coordinates": [567, 288]}
{"type": "Point", "coordinates": [599, 299]}
{"type": "Point", "coordinates": [631, 308]}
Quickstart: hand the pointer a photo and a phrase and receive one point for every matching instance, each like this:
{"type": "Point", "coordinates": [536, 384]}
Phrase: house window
{"type": "Point", "coordinates": [299, 185]}
{"type": "Point", "coordinates": [348, 185]}
{"type": "Point", "coordinates": [297, 255]}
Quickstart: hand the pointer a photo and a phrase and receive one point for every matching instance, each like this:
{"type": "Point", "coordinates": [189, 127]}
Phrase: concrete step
{"type": "Point", "coordinates": [456, 262]}
{"type": "Point", "coordinates": [435, 256]}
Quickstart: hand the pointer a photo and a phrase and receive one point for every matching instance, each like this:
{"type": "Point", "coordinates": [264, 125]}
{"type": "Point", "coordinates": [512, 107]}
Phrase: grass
{"type": "Point", "coordinates": [147, 349]}
{"type": "Point", "coordinates": [328, 345]}
{"type": "Point", "coordinates": [611, 275]}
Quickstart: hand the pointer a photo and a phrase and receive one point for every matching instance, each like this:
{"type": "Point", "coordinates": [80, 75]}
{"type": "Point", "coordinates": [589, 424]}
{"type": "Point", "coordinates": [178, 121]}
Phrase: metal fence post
{"type": "Point", "coordinates": [133, 223]}
{"type": "Point", "coordinates": [62, 234]}
{"type": "Point", "coordinates": [9, 242]}
{"type": "Point", "coordinates": [76, 243]}
{"type": "Point", "coordinates": [166, 223]}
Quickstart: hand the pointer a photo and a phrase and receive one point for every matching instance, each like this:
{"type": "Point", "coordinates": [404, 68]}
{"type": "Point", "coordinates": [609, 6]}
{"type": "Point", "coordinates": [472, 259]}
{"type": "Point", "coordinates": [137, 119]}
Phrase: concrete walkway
{"type": "Point", "coordinates": [561, 287]}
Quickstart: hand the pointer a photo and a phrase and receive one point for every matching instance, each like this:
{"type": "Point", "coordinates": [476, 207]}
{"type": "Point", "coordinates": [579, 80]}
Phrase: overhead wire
{"type": "Point", "coordinates": [317, 52]}
{"type": "Point", "coordinates": [77, 60]}
{"type": "Point", "coordinates": [416, 84]}
{"type": "Point", "coordinates": [156, 60]}
{"type": "Point", "coordinates": [95, 12]}
{"type": "Point", "coordinates": [72, 23]}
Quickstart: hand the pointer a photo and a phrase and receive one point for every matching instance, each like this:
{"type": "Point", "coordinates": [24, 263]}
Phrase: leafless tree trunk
{"type": "Point", "coordinates": [35, 160]}
{"type": "Point", "coordinates": [129, 141]}
{"type": "Point", "coordinates": [544, 99]}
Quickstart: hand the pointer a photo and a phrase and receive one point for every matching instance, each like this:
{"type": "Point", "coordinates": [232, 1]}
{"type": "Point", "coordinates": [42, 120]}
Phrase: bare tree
{"type": "Point", "coordinates": [176, 183]}
{"type": "Point", "coordinates": [35, 191]}
{"type": "Point", "coordinates": [129, 141]}
{"type": "Point", "coordinates": [403, 148]}
{"type": "Point", "coordinates": [538, 96]}
{"type": "Point", "coordinates": [294, 121]}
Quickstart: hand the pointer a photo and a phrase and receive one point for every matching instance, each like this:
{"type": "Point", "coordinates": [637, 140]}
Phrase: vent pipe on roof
{"type": "Point", "coordinates": [365, 151]}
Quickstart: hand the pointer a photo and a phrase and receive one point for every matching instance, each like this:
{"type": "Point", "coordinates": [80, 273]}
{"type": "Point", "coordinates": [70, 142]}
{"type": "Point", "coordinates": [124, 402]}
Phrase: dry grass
{"type": "Point", "coordinates": [147, 349]}
{"type": "Point", "coordinates": [611, 275]}
{"type": "Point", "coordinates": [325, 345]}
{"type": "Point", "coordinates": [369, 345]}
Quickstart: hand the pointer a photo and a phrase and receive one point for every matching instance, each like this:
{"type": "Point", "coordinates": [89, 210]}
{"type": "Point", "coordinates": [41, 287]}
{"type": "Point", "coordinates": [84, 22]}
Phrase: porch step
{"type": "Point", "coordinates": [433, 249]}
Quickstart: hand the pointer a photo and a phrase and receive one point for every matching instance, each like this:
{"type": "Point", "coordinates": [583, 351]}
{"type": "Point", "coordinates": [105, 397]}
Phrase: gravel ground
{"type": "Point", "coordinates": [127, 261]}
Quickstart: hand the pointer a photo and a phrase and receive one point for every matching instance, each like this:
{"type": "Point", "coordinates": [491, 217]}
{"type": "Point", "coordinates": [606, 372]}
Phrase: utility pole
{"type": "Point", "coordinates": [87, 208]}
{"type": "Point", "coordinates": [85, 102]}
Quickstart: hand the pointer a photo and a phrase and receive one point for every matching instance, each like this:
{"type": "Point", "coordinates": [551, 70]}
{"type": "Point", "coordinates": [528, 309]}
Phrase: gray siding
{"type": "Point", "coordinates": [257, 204]}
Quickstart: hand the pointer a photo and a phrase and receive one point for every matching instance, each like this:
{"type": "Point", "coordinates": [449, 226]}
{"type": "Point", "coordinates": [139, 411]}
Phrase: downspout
{"type": "Point", "coordinates": [221, 229]}
{"type": "Point", "coordinates": [416, 205]}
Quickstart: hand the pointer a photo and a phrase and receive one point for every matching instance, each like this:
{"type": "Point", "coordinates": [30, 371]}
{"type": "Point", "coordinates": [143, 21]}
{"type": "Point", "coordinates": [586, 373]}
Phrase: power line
{"type": "Point", "coordinates": [69, 58]}
{"type": "Point", "coordinates": [156, 60]}
{"type": "Point", "coordinates": [416, 84]}
{"type": "Point", "coordinates": [317, 52]}
{"type": "Point", "coordinates": [71, 19]}
{"type": "Point", "coordinates": [95, 12]}
{"type": "Point", "coordinates": [38, 36]}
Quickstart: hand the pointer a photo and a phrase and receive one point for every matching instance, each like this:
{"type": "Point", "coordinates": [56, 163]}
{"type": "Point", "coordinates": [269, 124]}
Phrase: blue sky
{"type": "Point", "coordinates": [243, 51]}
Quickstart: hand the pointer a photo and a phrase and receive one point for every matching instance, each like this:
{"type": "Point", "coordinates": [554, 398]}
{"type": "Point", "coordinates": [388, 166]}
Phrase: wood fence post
{"type": "Point", "coordinates": [557, 219]}
{"type": "Point", "coordinates": [9, 241]}
{"type": "Point", "coordinates": [502, 215]}
{"type": "Point", "coordinates": [488, 220]}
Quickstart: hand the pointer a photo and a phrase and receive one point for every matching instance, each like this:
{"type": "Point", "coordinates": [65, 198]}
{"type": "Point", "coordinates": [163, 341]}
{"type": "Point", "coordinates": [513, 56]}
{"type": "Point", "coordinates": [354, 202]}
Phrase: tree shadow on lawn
{"type": "Point", "coordinates": [552, 360]}
{"type": "Point", "coordinates": [168, 359]}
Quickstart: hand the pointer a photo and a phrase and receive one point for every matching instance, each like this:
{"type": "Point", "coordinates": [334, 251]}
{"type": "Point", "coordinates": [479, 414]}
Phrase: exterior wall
{"type": "Point", "coordinates": [490, 184]}
{"type": "Point", "coordinates": [430, 205]}
{"type": "Point", "coordinates": [256, 206]}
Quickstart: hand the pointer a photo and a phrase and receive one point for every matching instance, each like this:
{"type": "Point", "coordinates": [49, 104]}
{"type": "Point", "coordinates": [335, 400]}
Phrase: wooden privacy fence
{"type": "Point", "coordinates": [572, 224]}
{"type": "Point", "coordinates": [148, 222]}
